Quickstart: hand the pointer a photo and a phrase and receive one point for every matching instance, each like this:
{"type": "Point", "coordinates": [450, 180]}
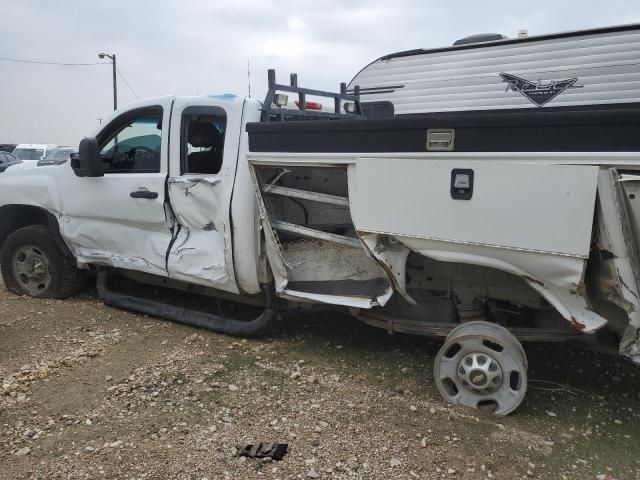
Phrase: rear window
{"type": "Point", "coordinates": [58, 154]}
{"type": "Point", "coordinates": [28, 153]}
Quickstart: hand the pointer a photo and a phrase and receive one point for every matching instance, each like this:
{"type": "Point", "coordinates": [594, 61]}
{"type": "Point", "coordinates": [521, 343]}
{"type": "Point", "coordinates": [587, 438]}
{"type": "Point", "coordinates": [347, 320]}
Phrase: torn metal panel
{"type": "Point", "coordinates": [616, 221]}
{"type": "Point", "coordinates": [364, 303]}
{"type": "Point", "coordinates": [308, 260]}
{"type": "Point", "coordinates": [555, 278]}
{"type": "Point", "coordinates": [277, 261]}
{"type": "Point", "coordinates": [534, 221]}
{"type": "Point", "coordinates": [201, 249]}
{"type": "Point", "coordinates": [392, 255]}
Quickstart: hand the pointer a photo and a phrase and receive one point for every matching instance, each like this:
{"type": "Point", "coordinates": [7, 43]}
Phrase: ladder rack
{"type": "Point", "coordinates": [274, 112]}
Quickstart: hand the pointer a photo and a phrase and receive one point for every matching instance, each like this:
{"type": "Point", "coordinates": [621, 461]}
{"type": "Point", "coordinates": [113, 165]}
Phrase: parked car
{"type": "Point", "coordinates": [7, 147]}
{"type": "Point", "coordinates": [6, 160]}
{"type": "Point", "coordinates": [32, 152]}
{"type": "Point", "coordinates": [57, 156]}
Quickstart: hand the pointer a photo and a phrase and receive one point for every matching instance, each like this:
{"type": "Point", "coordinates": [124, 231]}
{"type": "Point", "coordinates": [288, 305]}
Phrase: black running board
{"type": "Point", "coordinates": [209, 321]}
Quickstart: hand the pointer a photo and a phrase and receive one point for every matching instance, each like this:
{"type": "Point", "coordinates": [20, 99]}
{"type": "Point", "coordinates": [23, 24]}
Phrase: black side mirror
{"type": "Point", "coordinates": [88, 162]}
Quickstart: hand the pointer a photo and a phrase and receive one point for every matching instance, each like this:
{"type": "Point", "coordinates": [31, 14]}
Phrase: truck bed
{"type": "Point", "coordinates": [362, 213]}
{"type": "Point", "coordinates": [578, 129]}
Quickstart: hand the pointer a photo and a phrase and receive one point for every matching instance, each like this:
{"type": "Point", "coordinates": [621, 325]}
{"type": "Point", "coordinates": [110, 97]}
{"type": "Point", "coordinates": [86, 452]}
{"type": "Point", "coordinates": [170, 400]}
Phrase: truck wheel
{"type": "Point", "coordinates": [32, 264]}
{"type": "Point", "coordinates": [483, 366]}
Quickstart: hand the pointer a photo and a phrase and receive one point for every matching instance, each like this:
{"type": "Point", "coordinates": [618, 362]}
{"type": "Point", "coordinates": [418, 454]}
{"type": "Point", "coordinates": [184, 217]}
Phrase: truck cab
{"type": "Point", "coordinates": [164, 200]}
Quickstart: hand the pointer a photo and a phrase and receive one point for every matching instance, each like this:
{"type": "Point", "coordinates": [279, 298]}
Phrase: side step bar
{"type": "Point", "coordinates": [209, 321]}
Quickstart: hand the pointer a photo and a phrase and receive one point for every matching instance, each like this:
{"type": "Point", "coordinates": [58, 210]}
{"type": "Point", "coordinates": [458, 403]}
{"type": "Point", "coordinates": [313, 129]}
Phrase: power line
{"type": "Point", "coordinates": [19, 60]}
{"type": "Point", "coordinates": [127, 83]}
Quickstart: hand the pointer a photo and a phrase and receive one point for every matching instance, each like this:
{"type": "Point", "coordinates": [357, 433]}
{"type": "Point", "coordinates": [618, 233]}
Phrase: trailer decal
{"type": "Point", "coordinates": [539, 92]}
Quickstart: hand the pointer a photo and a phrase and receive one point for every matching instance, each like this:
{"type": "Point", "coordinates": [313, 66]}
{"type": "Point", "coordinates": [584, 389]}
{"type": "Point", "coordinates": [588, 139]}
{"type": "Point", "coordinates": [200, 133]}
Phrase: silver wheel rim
{"type": "Point", "coordinates": [480, 372]}
{"type": "Point", "coordinates": [482, 366]}
{"type": "Point", "coordinates": [31, 269]}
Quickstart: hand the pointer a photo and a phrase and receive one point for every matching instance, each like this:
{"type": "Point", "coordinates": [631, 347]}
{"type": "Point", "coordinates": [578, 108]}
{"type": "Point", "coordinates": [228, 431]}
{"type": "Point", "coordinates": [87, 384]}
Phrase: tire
{"type": "Point", "coordinates": [32, 264]}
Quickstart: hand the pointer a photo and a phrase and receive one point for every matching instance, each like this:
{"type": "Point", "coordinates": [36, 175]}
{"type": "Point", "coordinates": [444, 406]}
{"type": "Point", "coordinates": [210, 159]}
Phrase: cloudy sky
{"type": "Point", "coordinates": [202, 46]}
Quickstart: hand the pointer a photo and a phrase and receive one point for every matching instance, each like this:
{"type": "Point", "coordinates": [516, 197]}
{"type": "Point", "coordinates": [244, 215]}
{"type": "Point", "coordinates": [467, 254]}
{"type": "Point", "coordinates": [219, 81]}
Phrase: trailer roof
{"type": "Point", "coordinates": [551, 36]}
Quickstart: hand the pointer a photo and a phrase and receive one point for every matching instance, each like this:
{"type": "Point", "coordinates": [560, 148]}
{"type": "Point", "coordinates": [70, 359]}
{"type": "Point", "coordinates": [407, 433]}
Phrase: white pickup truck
{"type": "Point", "coordinates": [433, 226]}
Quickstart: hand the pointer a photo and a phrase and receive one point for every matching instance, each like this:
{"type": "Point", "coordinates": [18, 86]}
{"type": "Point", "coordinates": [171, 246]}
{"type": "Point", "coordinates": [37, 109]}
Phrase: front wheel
{"type": "Point", "coordinates": [32, 264]}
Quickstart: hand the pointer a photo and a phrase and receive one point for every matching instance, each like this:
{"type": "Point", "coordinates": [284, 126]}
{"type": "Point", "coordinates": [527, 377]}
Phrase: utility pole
{"type": "Point", "coordinates": [115, 84]}
{"type": "Point", "coordinates": [249, 75]}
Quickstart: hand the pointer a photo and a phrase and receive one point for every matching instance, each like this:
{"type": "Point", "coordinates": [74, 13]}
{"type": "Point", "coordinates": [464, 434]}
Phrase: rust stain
{"type": "Point", "coordinates": [577, 325]}
{"type": "Point", "coordinates": [532, 280]}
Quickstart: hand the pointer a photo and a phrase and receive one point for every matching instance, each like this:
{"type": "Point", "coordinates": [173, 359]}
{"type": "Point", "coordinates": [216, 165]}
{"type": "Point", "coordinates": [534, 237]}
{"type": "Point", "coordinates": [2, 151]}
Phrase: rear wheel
{"type": "Point", "coordinates": [32, 264]}
{"type": "Point", "coordinates": [483, 366]}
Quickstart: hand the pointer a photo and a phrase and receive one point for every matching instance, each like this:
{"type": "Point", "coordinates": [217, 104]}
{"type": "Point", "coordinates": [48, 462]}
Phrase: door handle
{"type": "Point", "coordinates": [144, 194]}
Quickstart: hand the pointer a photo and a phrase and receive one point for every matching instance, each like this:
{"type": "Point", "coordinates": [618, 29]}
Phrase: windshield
{"type": "Point", "coordinates": [28, 153]}
{"type": "Point", "coordinates": [58, 154]}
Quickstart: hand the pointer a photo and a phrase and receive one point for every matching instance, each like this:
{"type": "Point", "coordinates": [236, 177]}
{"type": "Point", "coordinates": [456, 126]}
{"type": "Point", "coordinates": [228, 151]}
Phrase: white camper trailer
{"type": "Point", "coordinates": [591, 67]}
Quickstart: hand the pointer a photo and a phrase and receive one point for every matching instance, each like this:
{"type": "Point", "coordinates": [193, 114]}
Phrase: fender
{"type": "Point", "coordinates": [30, 196]}
{"type": "Point", "coordinates": [16, 216]}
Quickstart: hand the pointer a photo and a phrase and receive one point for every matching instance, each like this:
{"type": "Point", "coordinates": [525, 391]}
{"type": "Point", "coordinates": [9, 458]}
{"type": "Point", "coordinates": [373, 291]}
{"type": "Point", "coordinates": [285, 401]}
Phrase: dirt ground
{"type": "Point", "coordinates": [93, 392]}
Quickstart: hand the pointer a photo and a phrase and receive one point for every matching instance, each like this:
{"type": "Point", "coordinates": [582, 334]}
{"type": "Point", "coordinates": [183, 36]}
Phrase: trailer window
{"type": "Point", "coordinates": [203, 142]}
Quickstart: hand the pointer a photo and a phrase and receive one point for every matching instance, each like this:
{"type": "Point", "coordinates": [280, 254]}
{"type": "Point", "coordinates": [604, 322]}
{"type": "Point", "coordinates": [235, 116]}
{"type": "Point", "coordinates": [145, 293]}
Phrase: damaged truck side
{"type": "Point", "coordinates": [258, 208]}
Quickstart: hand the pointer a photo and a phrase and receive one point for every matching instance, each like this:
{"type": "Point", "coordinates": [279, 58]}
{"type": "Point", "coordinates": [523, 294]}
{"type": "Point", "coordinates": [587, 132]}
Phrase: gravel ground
{"type": "Point", "coordinates": [93, 392]}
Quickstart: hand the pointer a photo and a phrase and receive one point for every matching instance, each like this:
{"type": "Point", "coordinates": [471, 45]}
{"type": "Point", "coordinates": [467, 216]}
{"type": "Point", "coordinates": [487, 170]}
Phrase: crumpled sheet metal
{"type": "Point", "coordinates": [200, 209]}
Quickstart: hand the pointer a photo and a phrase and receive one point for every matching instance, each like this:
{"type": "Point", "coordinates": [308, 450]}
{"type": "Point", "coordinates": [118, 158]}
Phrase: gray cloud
{"type": "Point", "coordinates": [202, 47]}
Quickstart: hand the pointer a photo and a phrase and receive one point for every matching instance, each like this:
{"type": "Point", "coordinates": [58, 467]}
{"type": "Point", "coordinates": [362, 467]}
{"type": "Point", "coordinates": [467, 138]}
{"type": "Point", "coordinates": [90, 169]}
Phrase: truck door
{"type": "Point", "coordinates": [119, 219]}
{"type": "Point", "coordinates": [204, 151]}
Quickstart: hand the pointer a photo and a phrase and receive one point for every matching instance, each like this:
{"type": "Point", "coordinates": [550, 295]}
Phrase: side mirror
{"type": "Point", "coordinates": [88, 162]}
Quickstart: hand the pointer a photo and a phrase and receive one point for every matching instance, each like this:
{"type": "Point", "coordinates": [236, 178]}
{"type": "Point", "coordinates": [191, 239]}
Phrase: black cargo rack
{"type": "Point", "coordinates": [272, 112]}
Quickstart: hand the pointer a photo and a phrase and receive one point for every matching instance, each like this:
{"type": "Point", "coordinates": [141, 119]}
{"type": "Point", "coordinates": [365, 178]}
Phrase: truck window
{"type": "Point", "coordinates": [203, 142]}
{"type": "Point", "coordinates": [134, 147]}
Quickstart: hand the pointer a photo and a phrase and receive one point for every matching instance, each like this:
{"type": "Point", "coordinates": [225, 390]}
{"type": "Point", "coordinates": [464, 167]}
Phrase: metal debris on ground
{"type": "Point", "coordinates": [276, 451]}
{"type": "Point", "coordinates": [554, 387]}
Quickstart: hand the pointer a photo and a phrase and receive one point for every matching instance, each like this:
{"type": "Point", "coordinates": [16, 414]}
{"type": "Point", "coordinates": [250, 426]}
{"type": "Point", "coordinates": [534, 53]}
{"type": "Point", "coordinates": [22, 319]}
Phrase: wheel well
{"type": "Point", "coordinates": [14, 217]}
